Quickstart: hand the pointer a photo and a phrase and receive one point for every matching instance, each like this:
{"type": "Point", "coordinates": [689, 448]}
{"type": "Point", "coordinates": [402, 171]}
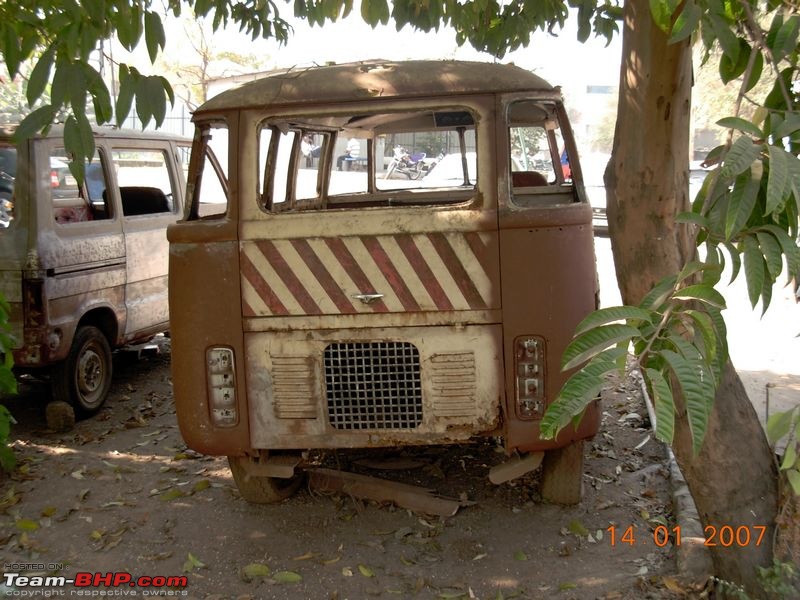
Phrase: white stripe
{"type": "Point", "coordinates": [471, 265]}
{"type": "Point", "coordinates": [373, 274]}
{"type": "Point", "coordinates": [269, 275]}
{"type": "Point", "coordinates": [337, 272]}
{"type": "Point", "coordinates": [407, 273]}
{"type": "Point", "coordinates": [307, 279]}
{"type": "Point", "coordinates": [441, 273]}
{"type": "Point", "coordinates": [253, 299]}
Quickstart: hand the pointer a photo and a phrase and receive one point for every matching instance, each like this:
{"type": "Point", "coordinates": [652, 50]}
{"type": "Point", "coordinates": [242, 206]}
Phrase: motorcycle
{"type": "Point", "coordinates": [413, 166]}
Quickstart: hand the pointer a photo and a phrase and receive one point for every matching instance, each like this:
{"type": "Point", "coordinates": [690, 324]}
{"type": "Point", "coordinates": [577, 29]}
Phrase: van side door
{"type": "Point", "coordinates": [148, 183]}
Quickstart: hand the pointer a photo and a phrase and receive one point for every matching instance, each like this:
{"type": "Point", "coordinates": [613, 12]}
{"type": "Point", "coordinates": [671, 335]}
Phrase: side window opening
{"type": "Point", "coordinates": [292, 164]}
{"type": "Point", "coordinates": [73, 203]}
{"type": "Point", "coordinates": [538, 161]}
{"type": "Point", "coordinates": [207, 181]}
{"type": "Point", "coordinates": [145, 182]}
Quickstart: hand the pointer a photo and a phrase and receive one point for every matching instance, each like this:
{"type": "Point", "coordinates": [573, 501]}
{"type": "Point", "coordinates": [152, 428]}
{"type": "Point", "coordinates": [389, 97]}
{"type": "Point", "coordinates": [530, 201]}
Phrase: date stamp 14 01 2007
{"type": "Point", "coordinates": [725, 536]}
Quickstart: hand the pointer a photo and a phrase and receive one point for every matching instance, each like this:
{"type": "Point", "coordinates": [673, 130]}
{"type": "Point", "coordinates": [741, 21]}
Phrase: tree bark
{"type": "Point", "coordinates": [733, 479]}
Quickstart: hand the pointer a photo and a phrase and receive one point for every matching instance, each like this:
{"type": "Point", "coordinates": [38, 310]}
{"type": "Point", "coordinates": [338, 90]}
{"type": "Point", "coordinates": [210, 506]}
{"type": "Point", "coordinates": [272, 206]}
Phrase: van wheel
{"type": "Point", "coordinates": [259, 489]}
{"type": "Point", "coordinates": [84, 378]}
{"type": "Point", "coordinates": [562, 474]}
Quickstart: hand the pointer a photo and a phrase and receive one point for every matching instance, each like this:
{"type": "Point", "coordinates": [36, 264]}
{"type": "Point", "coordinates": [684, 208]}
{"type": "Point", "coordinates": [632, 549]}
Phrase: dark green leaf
{"type": "Point", "coordinates": [158, 103]}
{"type": "Point", "coordinates": [790, 249]}
{"type": "Point", "coordinates": [703, 323]}
{"type": "Point", "coordinates": [79, 144]}
{"type": "Point", "coordinates": [702, 293]}
{"type": "Point", "coordinates": [11, 51]}
{"type": "Point", "coordinates": [38, 120]}
{"type": "Point", "coordinates": [779, 424]}
{"type": "Point", "coordinates": [659, 294]}
{"type": "Point", "coordinates": [692, 217]}
{"type": "Point", "coordinates": [786, 38]}
{"type": "Point", "coordinates": [728, 41]}
{"type": "Point", "coordinates": [778, 184]}
{"type": "Point", "coordinates": [741, 125]}
{"type": "Point", "coordinates": [753, 269]}
{"type": "Point", "coordinates": [739, 157]}
{"type": "Point", "coordinates": [578, 391]}
{"type": "Point", "coordinates": [697, 383]}
{"type": "Point", "coordinates": [686, 23]}
{"type": "Point", "coordinates": [756, 71]}
{"type": "Point", "coordinates": [612, 314]}
{"type": "Point", "coordinates": [40, 75]}
{"type": "Point", "coordinates": [100, 96]}
{"type": "Point", "coordinates": [736, 261]}
{"type": "Point", "coordinates": [742, 201]}
{"type": "Point", "coordinates": [788, 126]}
{"type": "Point", "coordinates": [153, 34]}
{"type": "Point", "coordinates": [591, 343]}
{"type": "Point", "coordinates": [128, 81]}
{"type": "Point", "coordinates": [661, 11]}
{"type": "Point", "coordinates": [772, 252]}
{"type": "Point", "coordinates": [663, 404]}
{"type": "Point", "coordinates": [7, 459]}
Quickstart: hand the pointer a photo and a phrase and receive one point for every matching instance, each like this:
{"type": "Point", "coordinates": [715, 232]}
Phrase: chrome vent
{"type": "Point", "coordinates": [373, 385]}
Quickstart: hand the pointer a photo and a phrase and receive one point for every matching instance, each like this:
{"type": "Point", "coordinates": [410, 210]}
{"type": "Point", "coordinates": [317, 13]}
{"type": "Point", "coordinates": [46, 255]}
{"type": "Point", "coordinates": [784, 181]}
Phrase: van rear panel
{"type": "Point", "coordinates": [337, 291]}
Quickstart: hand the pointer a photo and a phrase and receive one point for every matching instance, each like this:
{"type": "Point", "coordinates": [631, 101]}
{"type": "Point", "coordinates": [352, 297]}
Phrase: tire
{"type": "Point", "coordinates": [562, 474]}
{"type": "Point", "coordinates": [84, 378]}
{"type": "Point", "coordinates": [259, 489]}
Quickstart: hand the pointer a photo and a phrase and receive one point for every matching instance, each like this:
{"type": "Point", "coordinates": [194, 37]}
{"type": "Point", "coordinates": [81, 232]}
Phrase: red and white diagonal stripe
{"type": "Point", "coordinates": [414, 272]}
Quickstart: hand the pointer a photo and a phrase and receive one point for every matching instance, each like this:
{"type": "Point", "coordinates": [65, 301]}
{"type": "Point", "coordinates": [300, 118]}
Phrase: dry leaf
{"type": "Point", "coordinates": [287, 577]}
{"type": "Point", "coordinates": [27, 525]}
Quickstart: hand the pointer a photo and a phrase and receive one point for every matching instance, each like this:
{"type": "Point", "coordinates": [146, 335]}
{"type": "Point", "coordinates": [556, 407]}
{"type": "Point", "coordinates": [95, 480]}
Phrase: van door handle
{"type": "Point", "coordinates": [368, 298]}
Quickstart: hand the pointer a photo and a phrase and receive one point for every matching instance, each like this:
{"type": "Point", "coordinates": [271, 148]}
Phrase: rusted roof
{"type": "Point", "coordinates": [376, 79]}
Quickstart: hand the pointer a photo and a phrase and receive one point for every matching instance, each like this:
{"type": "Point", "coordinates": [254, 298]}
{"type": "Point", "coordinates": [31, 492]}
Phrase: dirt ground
{"type": "Point", "coordinates": [122, 493]}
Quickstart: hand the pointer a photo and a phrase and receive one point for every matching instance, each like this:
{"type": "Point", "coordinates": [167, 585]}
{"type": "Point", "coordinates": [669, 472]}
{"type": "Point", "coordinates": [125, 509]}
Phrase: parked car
{"type": "Point", "coordinates": [84, 266]}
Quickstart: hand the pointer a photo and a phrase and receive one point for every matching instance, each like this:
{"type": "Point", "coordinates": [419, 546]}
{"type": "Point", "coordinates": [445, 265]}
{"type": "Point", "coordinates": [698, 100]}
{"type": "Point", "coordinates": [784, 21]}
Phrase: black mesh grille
{"type": "Point", "coordinates": [373, 385]}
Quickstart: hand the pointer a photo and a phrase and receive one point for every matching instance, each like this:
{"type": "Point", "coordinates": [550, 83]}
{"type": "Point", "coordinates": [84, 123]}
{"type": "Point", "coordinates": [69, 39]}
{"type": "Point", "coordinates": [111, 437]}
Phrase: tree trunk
{"type": "Point", "coordinates": [647, 183]}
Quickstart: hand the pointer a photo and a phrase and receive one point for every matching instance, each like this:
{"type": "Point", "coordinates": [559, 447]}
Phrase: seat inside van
{"type": "Point", "coordinates": [140, 200]}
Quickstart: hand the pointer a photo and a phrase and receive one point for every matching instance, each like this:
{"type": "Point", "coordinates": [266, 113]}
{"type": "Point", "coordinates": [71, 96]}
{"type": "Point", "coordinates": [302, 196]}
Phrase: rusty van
{"type": "Point", "coordinates": [328, 292]}
{"type": "Point", "coordinates": [84, 266]}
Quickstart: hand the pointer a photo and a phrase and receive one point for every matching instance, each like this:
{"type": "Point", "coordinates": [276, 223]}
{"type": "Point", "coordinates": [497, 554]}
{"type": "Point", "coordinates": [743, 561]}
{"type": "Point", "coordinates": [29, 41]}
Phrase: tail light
{"type": "Point", "coordinates": [54, 179]}
{"type": "Point", "coordinates": [221, 376]}
{"type": "Point", "coordinates": [529, 369]}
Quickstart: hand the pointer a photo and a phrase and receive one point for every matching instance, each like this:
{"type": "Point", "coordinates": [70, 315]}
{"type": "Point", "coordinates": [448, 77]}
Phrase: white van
{"type": "Point", "coordinates": [84, 267]}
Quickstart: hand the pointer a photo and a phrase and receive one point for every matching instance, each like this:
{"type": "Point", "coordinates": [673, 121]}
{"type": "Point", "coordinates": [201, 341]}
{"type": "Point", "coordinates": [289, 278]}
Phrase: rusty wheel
{"type": "Point", "coordinates": [259, 489]}
{"type": "Point", "coordinates": [84, 378]}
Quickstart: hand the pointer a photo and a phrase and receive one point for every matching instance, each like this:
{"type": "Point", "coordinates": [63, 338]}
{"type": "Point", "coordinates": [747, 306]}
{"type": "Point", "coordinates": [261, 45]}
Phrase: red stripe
{"type": "Point", "coordinates": [480, 250]}
{"type": "Point", "coordinates": [262, 288]}
{"type": "Point", "coordinates": [457, 271]}
{"type": "Point", "coordinates": [349, 264]}
{"type": "Point", "coordinates": [323, 276]}
{"type": "Point", "coordinates": [424, 272]}
{"type": "Point", "coordinates": [294, 285]}
{"type": "Point", "coordinates": [391, 274]}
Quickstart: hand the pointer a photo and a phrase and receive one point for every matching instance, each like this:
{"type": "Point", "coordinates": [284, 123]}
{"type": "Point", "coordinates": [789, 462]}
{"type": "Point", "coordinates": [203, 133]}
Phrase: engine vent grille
{"type": "Point", "coordinates": [373, 385]}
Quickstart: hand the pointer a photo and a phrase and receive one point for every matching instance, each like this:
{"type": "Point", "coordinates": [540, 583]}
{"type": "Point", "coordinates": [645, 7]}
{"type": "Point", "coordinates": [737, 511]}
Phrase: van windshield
{"type": "Point", "coordinates": [425, 156]}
